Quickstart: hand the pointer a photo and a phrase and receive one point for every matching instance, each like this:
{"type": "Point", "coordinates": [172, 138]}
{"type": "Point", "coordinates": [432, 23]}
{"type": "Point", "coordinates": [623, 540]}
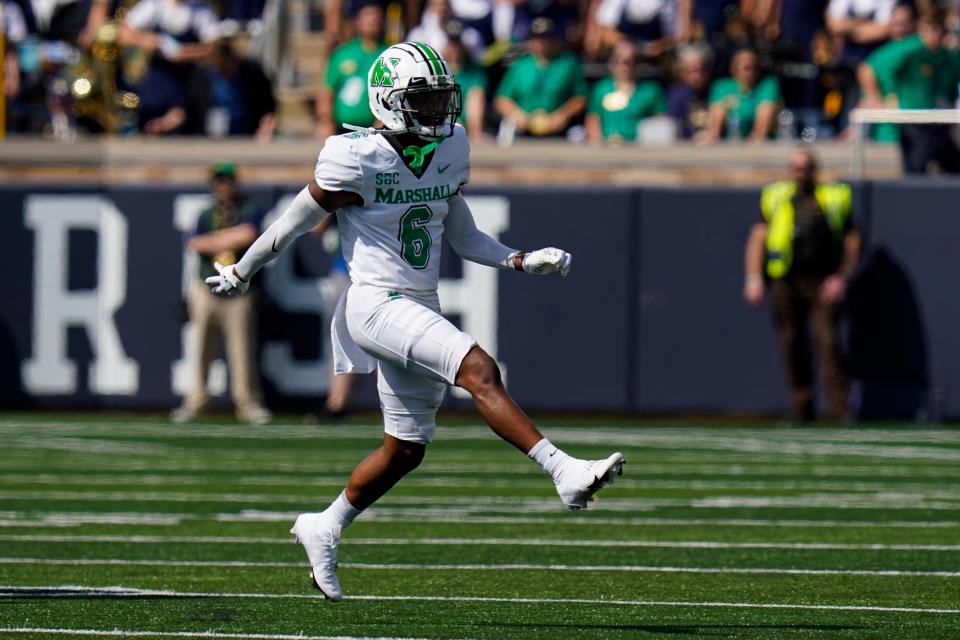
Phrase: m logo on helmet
{"type": "Point", "coordinates": [381, 75]}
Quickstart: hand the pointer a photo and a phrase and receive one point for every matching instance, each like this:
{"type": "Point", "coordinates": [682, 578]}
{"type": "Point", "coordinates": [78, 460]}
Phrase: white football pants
{"type": "Point", "coordinates": [418, 354]}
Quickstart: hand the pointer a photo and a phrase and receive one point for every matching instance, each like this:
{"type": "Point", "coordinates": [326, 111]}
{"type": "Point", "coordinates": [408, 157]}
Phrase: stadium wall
{"type": "Point", "coordinates": [651, 318]}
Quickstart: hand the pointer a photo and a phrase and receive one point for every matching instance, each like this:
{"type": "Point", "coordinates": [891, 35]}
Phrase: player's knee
{"type": "Point", "coordinates": [406, 456]}
{"type": "Point", "coordinates": [479, 372]}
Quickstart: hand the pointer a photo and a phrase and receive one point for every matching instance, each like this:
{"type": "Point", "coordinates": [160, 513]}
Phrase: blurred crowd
{"type": "Point", "coordinates": [614, 71]}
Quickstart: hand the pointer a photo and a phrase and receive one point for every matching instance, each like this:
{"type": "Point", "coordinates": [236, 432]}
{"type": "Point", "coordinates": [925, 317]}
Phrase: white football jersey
{"type": "Point", "coordinates": [394, 239]}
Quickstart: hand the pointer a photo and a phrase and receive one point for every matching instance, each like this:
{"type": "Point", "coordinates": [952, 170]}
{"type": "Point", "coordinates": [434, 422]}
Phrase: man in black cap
{"type": "Point", "coordinates": [225, 229]}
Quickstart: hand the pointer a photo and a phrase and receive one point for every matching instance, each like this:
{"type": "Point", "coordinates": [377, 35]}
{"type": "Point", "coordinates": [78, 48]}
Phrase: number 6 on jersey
{"type": "Point", "coordinates": [414, 239]}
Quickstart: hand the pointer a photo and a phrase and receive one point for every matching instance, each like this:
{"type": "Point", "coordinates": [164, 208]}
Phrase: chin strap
{"type": "Point", "coordinates": [418, 153]}
{"type": "Point", "coordinates": [371, 130]}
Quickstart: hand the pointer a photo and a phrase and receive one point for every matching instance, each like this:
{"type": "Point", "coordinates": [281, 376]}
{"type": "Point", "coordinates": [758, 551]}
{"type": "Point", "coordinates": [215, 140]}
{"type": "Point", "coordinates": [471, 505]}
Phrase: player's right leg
{"type": "Point", "coordinates": [576, 480]}
{"type": "Point", "coordinates": [410, 395]}
{"type": "Point", "coordinates": [319, 533]}
{"type": "Point", "coordinates": [409, 402]}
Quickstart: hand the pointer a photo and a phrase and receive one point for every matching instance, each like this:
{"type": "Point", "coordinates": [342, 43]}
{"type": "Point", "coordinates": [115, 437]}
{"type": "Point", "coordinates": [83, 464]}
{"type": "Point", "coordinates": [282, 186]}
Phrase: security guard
{"type": "Point", "coordinates": [225, 229]}
{"type": "Point", "coordinates": [805, 249]}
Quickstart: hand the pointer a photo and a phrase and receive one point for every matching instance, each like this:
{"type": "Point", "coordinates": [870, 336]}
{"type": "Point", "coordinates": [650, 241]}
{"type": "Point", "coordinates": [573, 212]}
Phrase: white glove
{"type": "Point", "coordinates": [544, 262]}
{"type": "Point", "coordinates": [227, 283]}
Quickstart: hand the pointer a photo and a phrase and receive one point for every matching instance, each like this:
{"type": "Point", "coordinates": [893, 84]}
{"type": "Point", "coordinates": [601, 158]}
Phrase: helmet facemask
{"type": "Point", "coordinates": [430, 106]}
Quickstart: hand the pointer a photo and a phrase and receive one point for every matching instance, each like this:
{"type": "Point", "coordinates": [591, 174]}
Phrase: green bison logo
{"type": "Point", "coordinates": [382, 76]}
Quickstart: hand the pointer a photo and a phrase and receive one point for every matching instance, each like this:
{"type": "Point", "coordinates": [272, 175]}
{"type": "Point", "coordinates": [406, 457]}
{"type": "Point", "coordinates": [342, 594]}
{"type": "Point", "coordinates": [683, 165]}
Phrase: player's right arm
{"type": "Point", "coordinates": [338, 182]}
{"type": "Point", "coordinates": [306, 211]}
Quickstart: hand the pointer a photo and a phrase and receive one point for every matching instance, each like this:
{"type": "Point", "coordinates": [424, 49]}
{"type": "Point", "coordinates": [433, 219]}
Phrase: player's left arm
{"type": "Point", "coordinates": [474, 245]}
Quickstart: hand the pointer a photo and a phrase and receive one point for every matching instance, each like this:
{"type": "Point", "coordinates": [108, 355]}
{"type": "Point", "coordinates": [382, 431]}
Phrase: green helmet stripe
{"type": "Point", "coordinates": [430, 56]}
{"type": "Point", "coordinates": [436, 56]}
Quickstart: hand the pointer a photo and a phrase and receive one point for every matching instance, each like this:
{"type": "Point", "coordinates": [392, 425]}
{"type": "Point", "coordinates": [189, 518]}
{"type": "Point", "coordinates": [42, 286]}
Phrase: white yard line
{"type": "Point", "coordinates": [70, 591]}
{"type": "Point", "coordinates": [478, 567]}
{"type": "Point", "coordinates": [869, 444]}
{"type": "Point", "coordinates": [131, 633]}
{"type": "Point", "coordinates": [508, 504]}
{"type": "Point", "coordinates": [74, 519]}
{"type": "Point", "coordinates": [467, 478]}
{"type": "Point", "coordinates": [311, 472]}
{"type": "Point", "coordinates": [385, 514]}
{"type": "Point", "coordinates": [94, 425]}
{"type": "Point", "coordinates": [382, 514]}
{"type": "Point", "coordinates": [509, 542]}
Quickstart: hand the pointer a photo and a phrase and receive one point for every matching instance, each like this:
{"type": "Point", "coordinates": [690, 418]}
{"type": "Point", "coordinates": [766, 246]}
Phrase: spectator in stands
{"type": "Point", "coordinates": [688, 99]}
{"type": "Point", "coordinates": [650, 24]}
{"type": "Point", "coordinates": [490, 26]}
{"type": "Point", "coordinates": [472, 79]}
{"type": "Point", "coordinates": [743, 105]}
{"type": "Point", "coordinates": [543, 91]}
{"type": "Point", "coordinates": [618, 103]}
{"type": "Point", "coordinates": [917, 73]}
{"type": "Point", "coordinates": [860, 26]}
{"type": "Point", "coordinates": [565, 15]}
{"type": "Point", "coordinates": [433, 24]}
{"type": "Point", "coordinates": [793, 29]}
{"type": "Point", "coordinates": [244, 11]}
{"type": "Point", "coordinates": [98, 15]}
{"type": "Point", "coordinates": [233, 96]}
{"type": "Point", "coordinates": [225, 229]}
{"type": "Point", "coordinates": [705, 19]}
{"type": "Point", "coordinates": [339, 19]}
{"type": "Point", "coordinates": [14, 31]}
{"type": "Point", "coordinates": [791, 25]}
{"type": "Point", "coordinates": [903, 22]}
{"type": "Point", "coordinates": [438, 23]}
{"type": "Point", "coordinates": [343, 97]}
{"type": "Point", "coordinates": [806, 249]}
{"type": "Point", "coordinates": [53, 20]}
{"type": "Point", "coordinates": [55, 28]}
{"type": "Point", "coordinates": [176, 34]}
{"type": "Point", "coordinates": [794, 23]}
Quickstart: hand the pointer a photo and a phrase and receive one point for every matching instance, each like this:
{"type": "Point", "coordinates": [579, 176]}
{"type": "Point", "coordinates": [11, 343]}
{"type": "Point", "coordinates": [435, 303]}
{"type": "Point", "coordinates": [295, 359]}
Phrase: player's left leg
{"type": "Point", "coordinates": [576, 480]}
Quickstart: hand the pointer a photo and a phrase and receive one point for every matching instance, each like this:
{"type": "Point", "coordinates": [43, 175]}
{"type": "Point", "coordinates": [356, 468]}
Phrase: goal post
{"type": "Point", "coordinates": [859, 118]}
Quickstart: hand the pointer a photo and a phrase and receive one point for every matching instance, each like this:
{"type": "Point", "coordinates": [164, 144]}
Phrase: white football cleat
{"type": "Point", "coordinates": [320, 539]}
{"type": "Point", "coordinates": [585, 477]}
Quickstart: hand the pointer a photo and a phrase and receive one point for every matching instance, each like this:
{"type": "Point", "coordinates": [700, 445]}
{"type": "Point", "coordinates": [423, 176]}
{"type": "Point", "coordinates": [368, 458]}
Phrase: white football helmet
{"type": "Point", "coordinates": [412, 90]}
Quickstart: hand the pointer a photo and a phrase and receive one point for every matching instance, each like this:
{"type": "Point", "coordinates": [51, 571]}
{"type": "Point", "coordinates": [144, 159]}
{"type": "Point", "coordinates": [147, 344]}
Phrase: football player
{"type": "Point", "coordinates": [396, 193]}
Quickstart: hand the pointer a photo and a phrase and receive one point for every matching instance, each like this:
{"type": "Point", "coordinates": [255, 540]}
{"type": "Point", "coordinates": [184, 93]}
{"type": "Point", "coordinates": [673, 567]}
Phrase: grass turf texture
{"type": "Point", "coordinates": [132, 524]}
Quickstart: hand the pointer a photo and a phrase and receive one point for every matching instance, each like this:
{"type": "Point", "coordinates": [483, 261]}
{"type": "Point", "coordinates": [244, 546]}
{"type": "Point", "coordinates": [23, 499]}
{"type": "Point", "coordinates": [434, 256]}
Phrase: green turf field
{"type": "Point", "coordinates": [133, 527]}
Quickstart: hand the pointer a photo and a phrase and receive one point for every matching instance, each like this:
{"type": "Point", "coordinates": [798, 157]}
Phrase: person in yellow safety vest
{"type": "Point", "coordinates": [805, 249]}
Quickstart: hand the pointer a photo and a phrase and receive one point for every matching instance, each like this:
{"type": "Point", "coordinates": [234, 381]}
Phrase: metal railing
{"type": "Point", "coordinates": [859, 118]}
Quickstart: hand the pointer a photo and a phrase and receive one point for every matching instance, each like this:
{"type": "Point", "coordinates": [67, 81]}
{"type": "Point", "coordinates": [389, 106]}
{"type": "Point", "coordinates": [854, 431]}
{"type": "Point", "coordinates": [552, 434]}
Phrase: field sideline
{"type": "Point", "coordinates": [123, 526]}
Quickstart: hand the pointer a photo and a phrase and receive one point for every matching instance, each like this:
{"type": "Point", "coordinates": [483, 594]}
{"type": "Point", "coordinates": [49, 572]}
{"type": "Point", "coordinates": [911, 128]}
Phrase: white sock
{"type": "Point", "coordinates": [551, 459]}
{"type": "Point", "coordinates": [342, 512]}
